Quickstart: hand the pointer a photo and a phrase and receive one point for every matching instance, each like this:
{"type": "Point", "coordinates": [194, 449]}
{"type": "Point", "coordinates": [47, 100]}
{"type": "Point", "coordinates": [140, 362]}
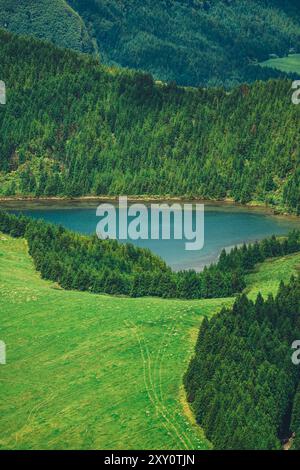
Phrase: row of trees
{"type": "Point", "coordinates": [72, 128]}
{"type": "Point", "coordinates": [242, 382]}
{"type": "Point", "coordinates": [106, 266]}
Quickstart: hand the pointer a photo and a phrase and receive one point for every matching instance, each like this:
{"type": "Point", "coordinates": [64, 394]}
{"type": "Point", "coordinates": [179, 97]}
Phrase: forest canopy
{"type": "Point", "coordinates": [192, 42]}
{"type": "Point", "coordinates": [107, 266]}
{"type": "Point", "coordinates": [73, 127]}
{"type": "Point", "coordinates": [242, 382]}
{"type": "Point", "coordinates": [52, 20]}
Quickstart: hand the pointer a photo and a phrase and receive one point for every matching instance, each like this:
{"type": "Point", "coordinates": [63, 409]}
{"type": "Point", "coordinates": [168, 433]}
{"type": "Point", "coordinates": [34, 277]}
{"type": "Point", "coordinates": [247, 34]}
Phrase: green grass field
{"type": "Point", "coordinates": [290, 64]}
{"type": "Point", "coordinates": [97, 372]}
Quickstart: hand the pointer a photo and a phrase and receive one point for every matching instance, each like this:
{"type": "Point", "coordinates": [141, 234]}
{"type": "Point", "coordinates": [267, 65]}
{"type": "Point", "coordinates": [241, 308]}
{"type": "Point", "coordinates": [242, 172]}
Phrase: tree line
{"type": "Point", "coordinates": [72, 127]}
{"type": "Point", "coordinates": [241, 382]}
{"type": "Point", "coordinates": [106, 266]}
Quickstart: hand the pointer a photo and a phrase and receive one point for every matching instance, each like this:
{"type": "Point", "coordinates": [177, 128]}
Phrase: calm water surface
{"type": "Point", "coordinates": [225, 226]}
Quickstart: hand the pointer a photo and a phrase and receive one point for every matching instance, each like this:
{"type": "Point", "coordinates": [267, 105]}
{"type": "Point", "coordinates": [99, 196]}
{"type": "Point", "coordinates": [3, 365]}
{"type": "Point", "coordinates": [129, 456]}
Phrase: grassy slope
{"type": "Point", "coordinates": [87, 371]}
{"type": "Point", "coordinates": [285, 64]}
{"type": "Point", "coordinates": [268, 275]}
{"type": "Point", "coordinates": [53, 20]}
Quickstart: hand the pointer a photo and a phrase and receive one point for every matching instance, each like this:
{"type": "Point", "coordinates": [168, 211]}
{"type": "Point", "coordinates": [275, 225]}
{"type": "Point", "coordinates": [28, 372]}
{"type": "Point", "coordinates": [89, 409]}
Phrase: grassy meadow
{"type": "Point", "coordinates": [290, 64]}
{"type": "Point", "coordinates": [97, 372]}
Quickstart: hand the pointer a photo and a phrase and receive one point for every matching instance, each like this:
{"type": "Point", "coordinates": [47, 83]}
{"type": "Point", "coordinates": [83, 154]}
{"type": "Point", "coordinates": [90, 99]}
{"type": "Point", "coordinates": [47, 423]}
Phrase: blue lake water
{"type": "Point", "coordinates": [224, 226]}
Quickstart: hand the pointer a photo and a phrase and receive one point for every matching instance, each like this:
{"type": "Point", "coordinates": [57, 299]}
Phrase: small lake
{"type": "Point", "coordinates": [226, 225]}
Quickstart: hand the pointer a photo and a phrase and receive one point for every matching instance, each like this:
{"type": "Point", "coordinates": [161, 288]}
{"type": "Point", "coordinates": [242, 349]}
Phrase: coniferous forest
{"type": "Point", "coordinates": [194, 42]}
{"type": "Point", "coordinates": [53, 20]}
{"type": "Point", "coordinates": [242, 382]}
{"type": "Point", "coordinates": [72, 127]}
{"type": "Point", "coordinates": [106, 266]}
{"type": "Point", "coordinates": [162, 99]}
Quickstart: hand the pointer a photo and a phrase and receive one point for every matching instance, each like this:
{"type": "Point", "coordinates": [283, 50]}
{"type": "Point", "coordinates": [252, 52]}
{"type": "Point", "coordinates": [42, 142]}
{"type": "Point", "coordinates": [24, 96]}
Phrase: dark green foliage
{"type": "Point", "coordinates": [106, 266]}
{"type": "Point", "coordinates": [82, 263]}
{"type": "Point", "coordinates": [52, 20]}
{"type": "Point", "coordinates": [72, 127]}
{"type": "Point", "coordinates": [194, 42]}
{"type": "Point", "coordinates": [242, 381]}
{"type": "Point", "coordinates": [295, 424]}
{"type": "Point", "coordinates": [291, 193]}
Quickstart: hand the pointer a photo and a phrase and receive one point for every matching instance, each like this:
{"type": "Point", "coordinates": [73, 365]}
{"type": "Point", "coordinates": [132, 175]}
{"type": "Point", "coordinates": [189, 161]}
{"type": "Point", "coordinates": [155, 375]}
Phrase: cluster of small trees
{"type": "Point", "coordinates": [242, 381]}
{"type": "Point", "coordinates": [107, 266]}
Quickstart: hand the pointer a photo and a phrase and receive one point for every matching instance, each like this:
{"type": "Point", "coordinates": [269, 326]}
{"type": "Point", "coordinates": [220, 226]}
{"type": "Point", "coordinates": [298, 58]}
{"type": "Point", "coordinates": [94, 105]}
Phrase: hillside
{"type": "Point", "coordinates": [242, 381]}
{"type": "Point", "coordinates": [90, 371]}
{"type": "Point", "coordinates": [53, 21]}
{"type": "Point", "coordinates": [72, 127]}
{"type": "Point", "coordinates": [193, 42]}
{"type": "Point", "coordinates": [286, 64]}
{"type": "Point", "coordinates": [68, 353]}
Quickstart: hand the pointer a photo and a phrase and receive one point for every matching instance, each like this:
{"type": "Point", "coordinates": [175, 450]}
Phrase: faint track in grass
{"type": "Point", "coordinates": [158, 367]}
{"type": "Point", "coordinates": [152, 393]}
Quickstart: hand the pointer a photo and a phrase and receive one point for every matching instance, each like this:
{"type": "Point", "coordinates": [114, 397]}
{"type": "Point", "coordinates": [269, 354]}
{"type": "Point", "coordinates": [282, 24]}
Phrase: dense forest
{"type": "Point", "coordinates": [106, 266]}
{"type": "Point", "coordinates": [72, 127]}
{"type": "Point", "coordinates": [193, 42]}
{"type": "Point", "coordinates": [52, 20]}
{"type": "Point", "coordinates": [242, 382]}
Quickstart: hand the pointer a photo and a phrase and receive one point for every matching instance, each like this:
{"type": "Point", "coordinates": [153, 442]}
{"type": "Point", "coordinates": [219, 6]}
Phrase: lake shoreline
{"type": "Point", "coordinates": [227, 224]}
{"type": "Point", "coordinates": [256, 207]}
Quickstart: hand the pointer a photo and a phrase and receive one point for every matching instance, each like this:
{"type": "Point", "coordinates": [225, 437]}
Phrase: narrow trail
{"type": "Point", "coordinates": [171, 425]}
{"type": "Point", "coordinates": [151, 389]}
{"type": "Point", "coordinates": [171, 417]}
{"type": "Point", "coordinates": [159, 363]}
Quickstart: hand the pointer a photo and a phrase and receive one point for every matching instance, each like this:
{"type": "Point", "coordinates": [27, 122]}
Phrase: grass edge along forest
{"type": "Point", "coordinates": [288, 64]}
{"type": "Point", "coordinates": [93, 371]}
{"type": "Point", "coordinates": [86, 263]}
{"type": "Point", "coordinates": [145, 319]}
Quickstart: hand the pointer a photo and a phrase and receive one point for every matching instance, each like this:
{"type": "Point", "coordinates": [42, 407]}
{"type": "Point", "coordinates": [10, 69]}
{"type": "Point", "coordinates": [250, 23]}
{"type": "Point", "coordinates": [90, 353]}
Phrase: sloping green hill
{"type": "Point", "coordinates": [286, 64]}
{"type": "Point", "coordinates": [53, 20]}
{"type": "Point", "coordinates": [91, 372]}
{"type": "Point", "coordinates": [97, 372]}
{"type": "Point", "coordinates": [191, 41]}
{"type": "Point", "coordinates": [72, 127]}
{"type": "Point", "coordinates": [194, 42]}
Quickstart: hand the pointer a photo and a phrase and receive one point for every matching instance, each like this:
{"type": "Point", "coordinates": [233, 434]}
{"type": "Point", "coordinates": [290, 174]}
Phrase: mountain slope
{"type": "Point", "coordinates": [211, 42]}
{"type": "Point", "coordinates": [242, 381]}
{"type": "Point", "coordinates": [53, 20]}
{"type": "Point", "coordinates": [73, 127]}
{"type": "Point", "coordinates": [190, 41]}
{"type": "Point", "coordinates": [73, 394]}
{"type": "Point", "coordinates": [68, 353]}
